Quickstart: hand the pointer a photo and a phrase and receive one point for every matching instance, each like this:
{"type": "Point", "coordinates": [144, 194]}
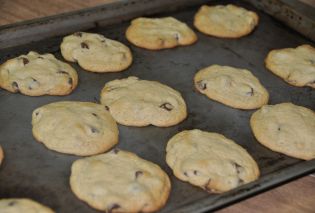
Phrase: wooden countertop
{"type": "Point", "coordinates": [296, 196]}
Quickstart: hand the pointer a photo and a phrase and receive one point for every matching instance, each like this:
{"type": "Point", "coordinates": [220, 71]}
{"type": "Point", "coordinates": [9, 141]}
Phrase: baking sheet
{"type": "Point", "coordinates": [30, 170]}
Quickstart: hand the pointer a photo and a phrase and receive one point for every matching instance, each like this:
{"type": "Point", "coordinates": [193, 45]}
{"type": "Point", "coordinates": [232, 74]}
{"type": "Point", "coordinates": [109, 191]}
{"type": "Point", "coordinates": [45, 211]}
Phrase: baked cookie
{"type": "Point", "coordinates": [225, 21]}
{"type": "Point", "coordinates": [120, 181]}
{"type": "Point", "coordinates": [22, 205]}
{"type": "Point", "coordinates": [79, 128]}
{"type": "Point", "coordinates": [286, 128]}
{"type": "Point", "coordinates": [234, 87]}
{"type": "Point", "coordinates": [1, 155]}
{"type": "Point", "coordinates": [159, 33]}
{"type": "Point", "coordinates": [96, 53]}
{"type": "Point", "coordinates": [34, 75]}
{"type": "Point", "coordinates": [210, 161]}
{"type": "Point", "coordinates": [294, 65]}
{"type": "Point", "coordinates": [135, 102]}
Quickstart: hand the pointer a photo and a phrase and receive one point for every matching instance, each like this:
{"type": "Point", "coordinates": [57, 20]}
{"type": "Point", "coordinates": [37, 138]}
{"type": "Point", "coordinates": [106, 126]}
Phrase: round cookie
{"type": "Point", "coordinates": [210, 161]}
{"type": "Point", "coordinates": [22, 205]}
{"type": "Point", "coordinates": [234, 87]}
{"type": "Point", "coordinates": [120, 181]}
{"type": "Point", "coordinates": [225, 21]}
{"type": "Point", "coordinates": [35, 75]}
{"type": "Point", "coordinates": [286, 128]}
{"type": "Point", "coordinates": [159, 33]}
{"type": "Point", "coordinates": [294, 65]}
{"type": "Point", "coordinates": [1, 155]}
{"type": "Point", "coordinates": [79, 128]}
{"type": "Point", "coordinates": [96, 53]}
{"type": "Point", "coordinates": [135, 102]}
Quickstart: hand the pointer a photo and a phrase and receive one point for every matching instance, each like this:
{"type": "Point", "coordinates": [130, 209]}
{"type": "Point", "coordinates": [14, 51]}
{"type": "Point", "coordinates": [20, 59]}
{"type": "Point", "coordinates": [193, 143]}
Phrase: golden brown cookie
{"type": "Point", "coordinates": [227, 21]}
{"type": "Point", "coordinates": [159, 33]}
{"type": "Point", "coordinates": [294, 65]}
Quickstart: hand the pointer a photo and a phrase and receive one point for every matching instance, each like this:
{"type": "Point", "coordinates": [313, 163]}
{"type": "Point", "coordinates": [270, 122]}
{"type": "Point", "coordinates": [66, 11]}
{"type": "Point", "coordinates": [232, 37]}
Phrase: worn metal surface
{"type": "Point", "coordinates": [31, 170]}
{"type": "Point", "coordinates": [293, 13]}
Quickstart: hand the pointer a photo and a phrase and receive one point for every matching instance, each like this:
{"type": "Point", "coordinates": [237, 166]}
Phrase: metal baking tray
{"type": "Point", "coordinates": [30, 170]}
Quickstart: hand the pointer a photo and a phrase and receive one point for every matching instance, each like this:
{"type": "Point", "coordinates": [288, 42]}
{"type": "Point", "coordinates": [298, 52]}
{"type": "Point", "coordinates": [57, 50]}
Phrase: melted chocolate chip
{"type": "Point", "coordinates": [176, 36]}
{"type": "Point", "coordinates": [206, 186]}
{"type": "Point", "coordinates": [79, 34]}
{"type": "Point", "coordinates": [25, 61]}
{"type": "Point", "coordinates": [112, 207]}
{"type": "Point", "coordinates": [238, 167]}
{"type": "Point", "coordinates": [15, 86]}
{"type": "Point", "coordinates": [240, 181]}
{"type": "Point", "coordinates": [62, 72]}
{"type": "Point", "coordinates": [70, 81]}
{"type": "Point", "coordinates": [138, 173]}
{"type": "Point", "coordinates": [84, 45]}
{"type": "Point", "coordinates": [251, 93]}
{"type": "Point", "coordinates": [12, 203]}
{"type": "Point", "coordinates": [107, 108]}
{"type": "Point", "coordinates": [167, 106]}
{"type": "Point", "coordinates": [202, 85]}
{"type": "Point", "coordinates": [94, 130]}
{"type": "Point", "coordinates": [40, 57]}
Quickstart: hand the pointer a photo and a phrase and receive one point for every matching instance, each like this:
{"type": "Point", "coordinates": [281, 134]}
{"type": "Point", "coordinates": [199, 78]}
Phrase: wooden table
{"type": "Point", "coordinates": [297, 196]}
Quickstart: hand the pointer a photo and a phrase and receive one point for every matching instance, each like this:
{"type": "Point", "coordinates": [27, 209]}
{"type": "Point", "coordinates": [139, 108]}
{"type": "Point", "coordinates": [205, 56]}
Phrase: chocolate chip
{"type": "Point", "coordinates": [138, 173]}
{"type": "Point", "coordinates": [279, 128]}
{"type": "Point", "coordinates": [107, 108]}
{"type": "Point", "coordinates": [112, 207]}
{"type": "Point", "coordinates": [25, 61]}
{"type": "Point", "coordinates": [94, 130]}
{"type": "Point", "coordinates": [195, 172]}
{"type": "Point", "coordinates": [12, 203]}
{"type": "Point", "coordinates": [15, 86]}
{"type": "Point", "coordinates": [115, 150]}
{"type": "Point", "coordinates": [79, 34]}
{"type": "Point", "coordinates": [206, 186]}
{"type": "Point", "coordinates": [251, 93]}
{"type": "Point", "coordinates": [240, 181]}
{"type": "Point", "coordinates": [70, 81]}
{"type": "Point", "coordinates": [238, 167]}
{"type": "Point", "coordinates": [62, 72]}
{"type": "Point", "coordinates": [186, 174]}
{"type": "Point", "coordinates": [202, 85]}
{"type": "Point", "coordinates": [94, 114]}
{"type": "Point", "coordinates": [36, 113]}
{"type": "Point", "coordinates": [84, 45]}
{"type": "Point", "coordinates": [40, 57]}
{"type": "Point", "coordinates": [176, 36]}
{"type": "Point", "coordinates": [167, 106]}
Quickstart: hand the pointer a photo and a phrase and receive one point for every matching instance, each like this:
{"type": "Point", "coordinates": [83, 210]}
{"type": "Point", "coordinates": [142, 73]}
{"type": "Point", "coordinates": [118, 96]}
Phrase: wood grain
{"type": "Point", "coordinates": [297, 196]}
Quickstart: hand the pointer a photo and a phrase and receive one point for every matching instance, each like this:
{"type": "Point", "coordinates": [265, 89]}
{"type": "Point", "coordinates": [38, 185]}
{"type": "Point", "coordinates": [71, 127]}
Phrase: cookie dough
{"type": "Point", "coordinates": [159, 33]}
{"type": "Point", "coordinates": [120, 181]}
{"type": "Point", "coordinates": [135, 102]}
{"type": "Point", "coordinates": [22, 205]}
{"type": "Point", "coordinates": [234, 87]}
{"type": "Point", "coordinates": [225, 21]}
{"type": "Point", "coordinates": [294, 65]}
{"type": "Point", "coordinates": [210, 161]}
{"type": "Point", "coordinates": [35, 75]}
{"type": "Point", "coordinates": [286, 128]}
{"type": "Point", "coordinates": [96, 53]}
{"type": "Point", "coordinates": [79, 128]}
